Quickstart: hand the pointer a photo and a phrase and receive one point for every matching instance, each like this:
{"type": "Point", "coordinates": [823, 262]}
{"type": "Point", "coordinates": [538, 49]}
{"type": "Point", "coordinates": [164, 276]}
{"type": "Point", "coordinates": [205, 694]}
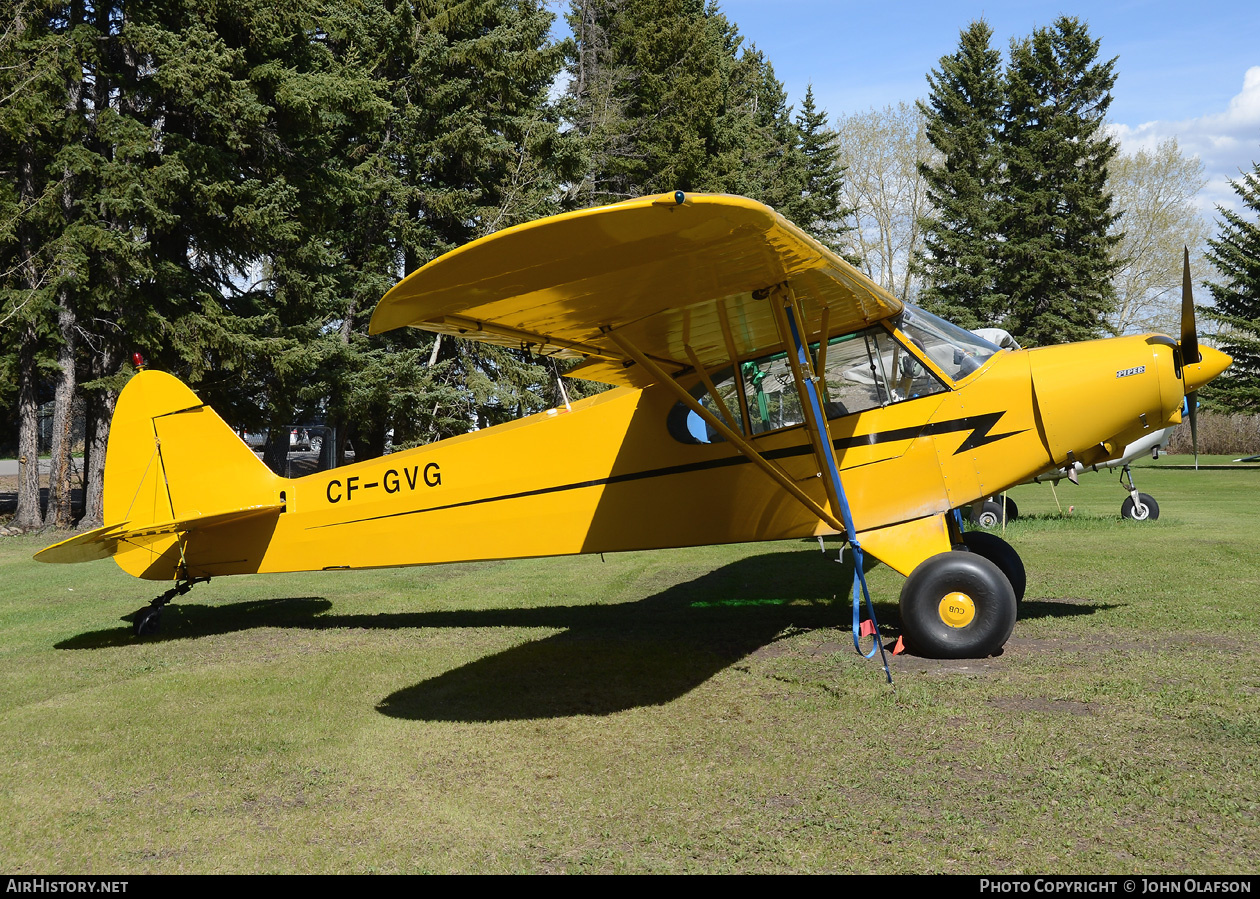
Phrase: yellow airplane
{"type": "Point", "coordinates": [765, 389]}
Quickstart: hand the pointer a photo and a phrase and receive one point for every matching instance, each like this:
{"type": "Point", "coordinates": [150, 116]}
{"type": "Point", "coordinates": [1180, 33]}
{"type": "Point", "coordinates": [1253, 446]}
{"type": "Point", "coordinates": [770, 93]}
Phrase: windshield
{"type": "Point", "coordinates": [957, 352]}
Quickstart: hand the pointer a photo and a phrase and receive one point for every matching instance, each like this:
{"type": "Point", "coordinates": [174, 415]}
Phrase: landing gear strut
{"type": "Point", "coordinates": [148, 621]}
{"type": "Point", "coordinates": [1137, 506]}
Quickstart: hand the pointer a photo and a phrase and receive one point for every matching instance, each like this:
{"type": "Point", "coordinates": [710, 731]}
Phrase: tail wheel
{"type": "Point", "coordinates": [957, 605]}
{"type": "Point", "coordinates": [1001, 554]}
{"type": "Point", "coordinates": [147, 621]}
{"type": "Point", "coordinates": [1145, 509]}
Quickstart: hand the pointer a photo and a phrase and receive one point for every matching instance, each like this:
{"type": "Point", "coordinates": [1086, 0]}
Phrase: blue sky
{"type": "Point", "coordinates": [1185, 70]}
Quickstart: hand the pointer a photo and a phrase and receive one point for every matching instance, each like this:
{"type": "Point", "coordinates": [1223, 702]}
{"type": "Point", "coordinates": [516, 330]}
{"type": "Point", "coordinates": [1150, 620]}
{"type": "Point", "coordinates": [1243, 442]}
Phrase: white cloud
{"type": "Point", "coordinates": [1227, 142]}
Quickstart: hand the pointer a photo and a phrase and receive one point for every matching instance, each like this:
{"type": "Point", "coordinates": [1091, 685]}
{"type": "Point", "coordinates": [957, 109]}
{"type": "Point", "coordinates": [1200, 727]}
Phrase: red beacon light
{"type": "Point", "coordinates": [138, 360]}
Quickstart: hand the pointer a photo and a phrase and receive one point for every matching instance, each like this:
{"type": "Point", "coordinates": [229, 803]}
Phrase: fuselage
{"type": "Point", "coordinates": [616, 472]}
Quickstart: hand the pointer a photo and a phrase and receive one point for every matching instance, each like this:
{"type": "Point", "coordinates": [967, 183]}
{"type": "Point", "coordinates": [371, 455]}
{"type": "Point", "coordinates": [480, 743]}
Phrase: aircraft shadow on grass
{"type": "Point", "coordinates": [607, 658]}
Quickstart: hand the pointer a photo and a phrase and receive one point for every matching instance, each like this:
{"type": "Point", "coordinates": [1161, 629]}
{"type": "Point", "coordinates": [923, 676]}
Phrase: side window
{"type": "Point", "coordinates": [862, 371]}
{"type": "Point", "coordinates": [773, 402]}
{"type": "Point", "coordinates": [870, 369]}
{"type": "Point", "coordinates": [688, 427]}
{"type": "Point", "coordinates": [855, 375]}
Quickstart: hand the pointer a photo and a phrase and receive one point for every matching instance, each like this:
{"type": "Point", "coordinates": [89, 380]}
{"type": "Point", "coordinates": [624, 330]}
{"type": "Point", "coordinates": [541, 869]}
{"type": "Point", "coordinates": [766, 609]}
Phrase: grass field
{"type": "Point", "coordinates": [688, 710]}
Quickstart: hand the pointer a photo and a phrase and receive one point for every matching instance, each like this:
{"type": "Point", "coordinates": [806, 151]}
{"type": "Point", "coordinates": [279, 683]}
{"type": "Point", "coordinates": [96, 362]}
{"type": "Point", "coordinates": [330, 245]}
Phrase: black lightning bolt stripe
{"type": "Point", "coordinates": [978, 425]}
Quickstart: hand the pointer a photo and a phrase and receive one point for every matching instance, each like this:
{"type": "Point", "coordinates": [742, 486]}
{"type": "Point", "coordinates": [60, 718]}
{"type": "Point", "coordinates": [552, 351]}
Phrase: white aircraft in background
{"type": "Point", "coordinates": [988, 513]}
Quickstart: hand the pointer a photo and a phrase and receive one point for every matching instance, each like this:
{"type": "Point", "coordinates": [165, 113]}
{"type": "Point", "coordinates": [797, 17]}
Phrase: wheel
{"type": "Point", "coordinates": [1001, 554]}
{"type": "Point", "coordinates": [1012, 510]}
{"type": "Point", "coordinates": [957, 605]}
{"type": "Point", "coordinates": [148, 621]}
{"type": "Point", "coordinates": [1145, 509]}
{"type": "Point", "coordinates": [986, 514]}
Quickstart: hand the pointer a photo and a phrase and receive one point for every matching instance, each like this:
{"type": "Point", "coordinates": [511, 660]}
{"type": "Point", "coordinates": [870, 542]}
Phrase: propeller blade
{"type": "Point", "coordinates": [1189, 333]}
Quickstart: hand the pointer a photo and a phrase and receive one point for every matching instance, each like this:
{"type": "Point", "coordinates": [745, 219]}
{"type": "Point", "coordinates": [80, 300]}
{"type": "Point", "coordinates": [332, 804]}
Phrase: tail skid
{"type": "Point", "coordinates": [173, 467]}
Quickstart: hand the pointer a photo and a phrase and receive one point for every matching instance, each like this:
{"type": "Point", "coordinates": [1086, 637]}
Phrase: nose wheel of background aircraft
{"type": "Point", "coordinates": [1136, 506]}
{"type": "Point", "coordinates": [1145, 509]}
{"type": "Point", "coordinates": [988, 513]}
{"type": "Point", "coordinates": [957, 605]}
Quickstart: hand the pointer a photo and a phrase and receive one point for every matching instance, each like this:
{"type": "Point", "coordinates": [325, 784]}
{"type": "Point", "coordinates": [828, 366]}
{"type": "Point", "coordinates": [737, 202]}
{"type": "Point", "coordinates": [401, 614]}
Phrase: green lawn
{"type": "Point", "coordinates": [687, 710]}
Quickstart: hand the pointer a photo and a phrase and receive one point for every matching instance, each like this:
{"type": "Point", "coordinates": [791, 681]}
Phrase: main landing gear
{"type": "Point", "coordinates": [148, 621]}
{"type": "Point", "coordinates": [1137, 506]}
{"type": "Point", "coordinates": [963, 604]}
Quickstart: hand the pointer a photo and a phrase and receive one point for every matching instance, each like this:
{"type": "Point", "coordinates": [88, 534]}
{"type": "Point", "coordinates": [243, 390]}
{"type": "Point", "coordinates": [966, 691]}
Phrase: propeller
{"type": "Point", "coordinates": [1190, 351]}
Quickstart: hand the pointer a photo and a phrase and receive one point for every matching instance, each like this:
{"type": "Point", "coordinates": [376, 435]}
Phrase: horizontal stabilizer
{"type": "Point", "coordinates": [116, 538]}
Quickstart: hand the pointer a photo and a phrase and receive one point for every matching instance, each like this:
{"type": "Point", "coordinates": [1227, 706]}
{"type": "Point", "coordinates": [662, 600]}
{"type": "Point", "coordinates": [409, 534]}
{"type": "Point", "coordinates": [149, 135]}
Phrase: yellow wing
{"type": "Point", "coordinates": [670, 272]}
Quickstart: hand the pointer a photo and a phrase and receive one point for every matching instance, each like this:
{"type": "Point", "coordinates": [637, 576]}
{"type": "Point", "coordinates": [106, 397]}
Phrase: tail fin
{"type": "Point", "coordinates": [172, 466]}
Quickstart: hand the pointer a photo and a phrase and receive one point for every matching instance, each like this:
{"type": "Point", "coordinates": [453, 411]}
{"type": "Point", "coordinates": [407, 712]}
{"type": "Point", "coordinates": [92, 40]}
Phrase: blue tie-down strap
{"type": "Point", "coordinates": [860, 592]}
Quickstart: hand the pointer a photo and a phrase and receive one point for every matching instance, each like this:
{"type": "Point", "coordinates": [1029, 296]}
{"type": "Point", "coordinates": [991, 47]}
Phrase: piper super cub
{"type": "Point", "coordinates": [764, 389]}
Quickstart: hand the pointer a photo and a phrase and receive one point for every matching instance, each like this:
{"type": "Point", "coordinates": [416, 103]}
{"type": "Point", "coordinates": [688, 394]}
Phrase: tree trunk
{"type": "Point", "coordinates": [100, 412]}
{"type": "Point", "coordinates": [29, 509]}
{"type": "Point", "coordinates": [60, 484]}
{"type": "Point", "coordinates": [60, 513]}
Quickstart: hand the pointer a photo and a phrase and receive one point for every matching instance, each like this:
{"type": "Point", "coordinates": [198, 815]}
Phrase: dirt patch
{"type": "Point", "coordinates": [1040, 704]}
{"type": "Point", "coordinates": [964, 667]}
{"type": "Point", "coordinates": [771, 651]}
{"type": "Point", "coordinates": [826, 649]}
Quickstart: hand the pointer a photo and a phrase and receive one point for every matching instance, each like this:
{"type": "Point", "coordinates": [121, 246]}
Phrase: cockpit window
{"type": "Point", "coordinates": [869, 369]}
{"type": "Point", "coordinates": [955, 351]}
{"type": "Point", "coordinates": [861, 371]}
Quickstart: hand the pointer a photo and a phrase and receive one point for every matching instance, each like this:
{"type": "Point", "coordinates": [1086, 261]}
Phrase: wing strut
{"type": "Point", "coordinates": [790, 321]}
{"type": "Point", "coordinates": [745, 448]}
{"type": "Point", "coordinates": [788, 318]}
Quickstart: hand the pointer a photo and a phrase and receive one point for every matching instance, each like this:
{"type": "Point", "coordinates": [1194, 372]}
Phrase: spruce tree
{"type": "Point", "coordinates": [818, 207]}
{"type": "Point", "coordinates": [484, 152]}
{"type": "Point", "coordinates": [33, 56]}
{"type": "Point", "coordinates": [1055, 261]}
{"type": "Point", "coordinates": [962, 117]}
{"type": "Point", "coordinates": [1236, 254]}
{"type": "Point", "coordinates": [663, 96]}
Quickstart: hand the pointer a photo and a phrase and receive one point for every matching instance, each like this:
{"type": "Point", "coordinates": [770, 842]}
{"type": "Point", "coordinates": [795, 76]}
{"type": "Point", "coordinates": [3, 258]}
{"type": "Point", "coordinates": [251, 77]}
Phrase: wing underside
{"type": "Point", "coordinates": [684, 282]}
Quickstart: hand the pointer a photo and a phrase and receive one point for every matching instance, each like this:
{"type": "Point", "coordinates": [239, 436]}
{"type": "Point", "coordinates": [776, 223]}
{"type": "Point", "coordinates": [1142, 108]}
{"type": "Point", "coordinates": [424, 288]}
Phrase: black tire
{"type": "Point", "coordinates": [148, 622]}
{"type": "Point", "coordinates": [1001, 554]}
{"type": "Point", "coordinates": [986, 514]}
{"type": "Point", "coordinates": [1012, 510]}
{"type": "Point", "coordinates": [1146, 509]}
{"type": "Point", "coordinates": [929, 595]}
